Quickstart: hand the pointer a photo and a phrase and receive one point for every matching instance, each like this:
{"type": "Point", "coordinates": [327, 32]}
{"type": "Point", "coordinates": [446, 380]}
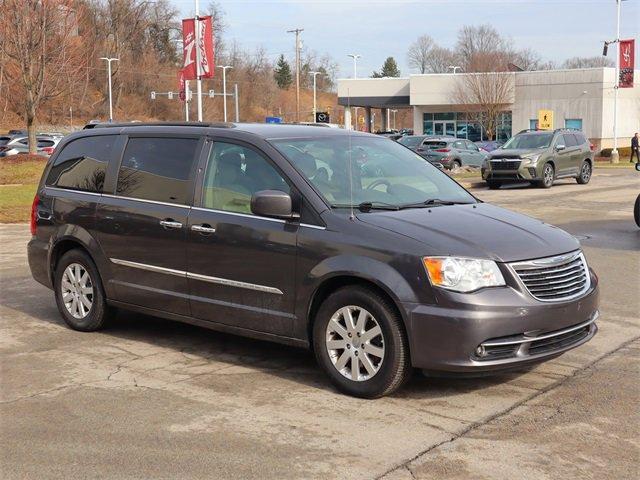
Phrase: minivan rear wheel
{"type": "Point", "coordinates": [360, 342]}
{"type": "Point", "coordinates": [79, 294]}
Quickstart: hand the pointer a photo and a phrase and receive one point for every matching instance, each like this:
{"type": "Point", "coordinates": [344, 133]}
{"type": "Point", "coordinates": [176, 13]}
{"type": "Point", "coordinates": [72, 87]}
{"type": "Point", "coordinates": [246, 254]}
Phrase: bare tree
{"type": "Point", "coordinates": [40, 39]}
{"type": "Point", "coordinates": [441, 58]}
{"type": "Point", "coordinates": [526, 59]}
{"type": "Point", "coordinates": [484, 96]}
{"type": "Point", "coordinates": [419, 53]}
{"type": "Point", "coordinates": [588, 62]}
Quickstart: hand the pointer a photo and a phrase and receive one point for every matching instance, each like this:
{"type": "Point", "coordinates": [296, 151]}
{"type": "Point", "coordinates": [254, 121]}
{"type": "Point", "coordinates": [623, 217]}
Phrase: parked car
{"type": "Point", "coordinates": [17, 133]}
{"type": "Point", "coordinates": [489, 145]}
{"type": "Point", "coordinates": [20, 145]}
{"type": "Point", "coordinates": [392, 135]}
{"type": "Point", "coordinates": [452, 152]}
{"type": "Point", "coordinates": [336, 240]}
{"type": "Point", "coordinates": [540, 157]}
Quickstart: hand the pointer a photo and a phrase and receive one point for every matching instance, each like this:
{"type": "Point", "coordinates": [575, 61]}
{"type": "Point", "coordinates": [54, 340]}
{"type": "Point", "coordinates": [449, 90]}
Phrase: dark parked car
{"type": "Point", "coordinates": [325, 238]}
{"type": "Point", "coordinates": [488, 145]}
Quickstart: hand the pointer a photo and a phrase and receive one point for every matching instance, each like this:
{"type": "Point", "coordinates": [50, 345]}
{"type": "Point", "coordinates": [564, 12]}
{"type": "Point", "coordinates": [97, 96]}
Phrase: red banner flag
{"type": "Point", "coordinates": [627, 63]}
{"type": "Point", "coordinates": [206, 69]}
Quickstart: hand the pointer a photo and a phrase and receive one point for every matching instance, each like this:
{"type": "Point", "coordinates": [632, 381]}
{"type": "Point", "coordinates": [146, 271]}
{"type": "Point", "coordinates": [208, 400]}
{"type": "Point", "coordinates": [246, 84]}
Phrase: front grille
{"type": "Point", "coordinates": [505, 164]}
{"type": "Point", "coordinates": [561, 341]}
{"type": "Point", "coordinates": [555, 278]}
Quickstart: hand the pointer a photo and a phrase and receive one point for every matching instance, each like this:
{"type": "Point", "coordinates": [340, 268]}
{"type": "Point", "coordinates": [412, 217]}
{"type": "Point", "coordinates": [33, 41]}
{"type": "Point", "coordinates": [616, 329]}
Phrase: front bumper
{"type": "Point", "coordinates": [525, 173]}
{"type": "Point", "coordinates": [498, 329]}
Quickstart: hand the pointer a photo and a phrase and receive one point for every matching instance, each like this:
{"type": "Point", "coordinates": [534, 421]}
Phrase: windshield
{"type": "Point", "coordinates": [381, 171]}
{"type": "Point", "coordinates": [529, 140]}
{"type": "Point", "coordinates": [410, 141]}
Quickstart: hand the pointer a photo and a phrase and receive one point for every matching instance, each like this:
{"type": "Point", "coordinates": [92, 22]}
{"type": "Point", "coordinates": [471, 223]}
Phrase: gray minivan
{"type": "Point", "coordinates": [339, 241]}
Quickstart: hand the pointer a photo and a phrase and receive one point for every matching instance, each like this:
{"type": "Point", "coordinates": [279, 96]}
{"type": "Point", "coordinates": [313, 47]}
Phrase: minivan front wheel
{"type": "Point", "coordinates": [360, 342]}
{"type": "Point", "coordinates": [79, 294]}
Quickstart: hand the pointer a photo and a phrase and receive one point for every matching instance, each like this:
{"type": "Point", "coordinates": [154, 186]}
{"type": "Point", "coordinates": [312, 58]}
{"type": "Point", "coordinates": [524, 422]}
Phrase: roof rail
{"type": "Point", "coordinates": [160, 124]}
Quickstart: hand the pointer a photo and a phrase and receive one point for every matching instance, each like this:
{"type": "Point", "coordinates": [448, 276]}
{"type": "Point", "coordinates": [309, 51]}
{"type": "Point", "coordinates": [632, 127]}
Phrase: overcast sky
{"type": "Point", "coordinates": [376, 29]}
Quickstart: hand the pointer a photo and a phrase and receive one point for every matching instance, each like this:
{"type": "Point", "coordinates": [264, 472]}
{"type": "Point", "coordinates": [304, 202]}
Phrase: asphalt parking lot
{"type": "Point", "coordinates": [148, 398]}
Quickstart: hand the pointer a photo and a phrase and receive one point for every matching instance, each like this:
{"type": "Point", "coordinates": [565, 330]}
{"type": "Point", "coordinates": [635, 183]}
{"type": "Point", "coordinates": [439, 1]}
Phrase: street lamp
{"type": "Point", "coordinates": [315, 108]}
{"type": "Point", "coordinates": [454, 68]}
{"type": "Point", "coordinates": [109, 60]}
{"type": "Point", "coordinates": [355, 63]}
{"type": "Point", "coordinates": [224, 87]}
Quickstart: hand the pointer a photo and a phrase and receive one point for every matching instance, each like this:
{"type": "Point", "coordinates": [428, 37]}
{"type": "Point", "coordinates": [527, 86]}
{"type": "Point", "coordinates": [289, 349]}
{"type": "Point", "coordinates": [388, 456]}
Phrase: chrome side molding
{"type": "Point", "coordinates": [196, 276]}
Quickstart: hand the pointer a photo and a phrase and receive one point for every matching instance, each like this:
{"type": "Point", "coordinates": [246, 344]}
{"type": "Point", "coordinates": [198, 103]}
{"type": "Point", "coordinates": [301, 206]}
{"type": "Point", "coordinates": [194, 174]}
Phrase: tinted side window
{"type": "Point", "coordinates": [234, 173]}
{"type": "Point", "coordinates": [580, 139]}
{"type": "Point", "coordinates": [459, 145]}
{"type": "Point", "coordinates": [157, 169]}
{"type": "Point", "coordinates": [569, 140]}
{"type": "Point", "coordinates": [82, 164]}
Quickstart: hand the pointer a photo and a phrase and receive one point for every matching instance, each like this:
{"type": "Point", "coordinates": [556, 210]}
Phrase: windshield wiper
{"type": "Point", "coordinates": [432, 202]}
{"type": "Point", "coordinates": [367, 206]}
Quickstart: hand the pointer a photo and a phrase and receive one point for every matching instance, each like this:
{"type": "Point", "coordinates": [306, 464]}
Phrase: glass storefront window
{"type": "Point", "coordinates": [460, 125]}
{"type": "Point", "coordinates": [573, 123]}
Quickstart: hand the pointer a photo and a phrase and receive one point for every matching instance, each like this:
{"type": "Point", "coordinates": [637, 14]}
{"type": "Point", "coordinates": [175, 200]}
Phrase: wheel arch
{"type": "Point", "coordinates": [335, 282]}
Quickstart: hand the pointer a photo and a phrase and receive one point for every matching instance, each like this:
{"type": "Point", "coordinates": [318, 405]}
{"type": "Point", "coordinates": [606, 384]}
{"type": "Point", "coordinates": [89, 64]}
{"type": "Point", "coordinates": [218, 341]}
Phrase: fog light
{"type": "Point", "coordinates": [532, 172]}
{"type": "Point", "coordinates": [480, 351]}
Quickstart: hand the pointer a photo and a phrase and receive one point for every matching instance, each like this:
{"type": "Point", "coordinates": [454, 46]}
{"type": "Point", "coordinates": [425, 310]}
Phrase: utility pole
{"type": "Point", "coordinates": [224, 88]}
{"type": "Point", "coordinates": [198, 59]}
{"type": "Point", "coordinates": [355, 63]}
{"type": "Point", "coordinates": [315, 103]}
{"type": "Point", "coordinates": [109, 60]}
{"type": "Point", "coordinates": [235, 96]}
{"type": "Point", "coordinates": [297, 31]}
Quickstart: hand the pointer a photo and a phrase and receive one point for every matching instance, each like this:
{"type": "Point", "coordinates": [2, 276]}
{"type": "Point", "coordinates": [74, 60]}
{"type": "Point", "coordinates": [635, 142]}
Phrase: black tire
{"type": "Point", "coordinates": [99, 312]}
{"type": "Point", "coordinates": [493, 184]}
{"type": "Point", "coordinates": [585, 173]}
{"type": "Point", "coordinates": [456, 164]}
{"type": "Point", "coordinates": [395, 367]}
{"type": "Point", "coordinates": [636, 211]}
{"type": "Point", "coordinates": [548, 175]}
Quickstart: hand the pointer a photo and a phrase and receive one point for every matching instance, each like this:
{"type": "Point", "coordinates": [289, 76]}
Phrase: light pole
{"type": "Point", "coordinates": [355, 63]}
{"type": "Point", "coordinates": [394, 118]}
{"type": "Point", "coordinates": [224, 87]}
{"type": "Point", "coordinates": [615, 157]}
{"type": "Point", "coordinates": [315, 105]}
{"type": "Point", "coordinates": [454, 68]}
{"type": "Point", "coordinates": [297, 31]}
{"type": "Point", "coordinates": [109, 60]}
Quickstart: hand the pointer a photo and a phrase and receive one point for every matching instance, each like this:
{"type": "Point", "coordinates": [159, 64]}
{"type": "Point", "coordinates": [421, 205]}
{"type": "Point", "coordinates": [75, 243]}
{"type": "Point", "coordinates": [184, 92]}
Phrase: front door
{"type": "Point", "coordinates": [564, 158]}
{"type": "Point", "coordinates": [241, 267]}
{"type": "Point", "coordinates": [142, 227]}
{"type": "Point", "coordinates": [445, 129]}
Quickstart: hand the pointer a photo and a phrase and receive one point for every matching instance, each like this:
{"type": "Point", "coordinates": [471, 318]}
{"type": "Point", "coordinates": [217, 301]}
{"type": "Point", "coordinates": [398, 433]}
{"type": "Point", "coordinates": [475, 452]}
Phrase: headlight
{"type": "Point", "coordinates": [530, 159]}
{"type": "Point", "coordinates": [463, 274]}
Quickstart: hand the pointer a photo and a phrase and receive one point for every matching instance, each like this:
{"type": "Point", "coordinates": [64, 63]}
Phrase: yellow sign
{"type": "Point", "coordinates": [545, 119]}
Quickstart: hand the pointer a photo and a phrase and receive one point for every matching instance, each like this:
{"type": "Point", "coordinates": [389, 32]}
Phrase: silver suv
{"type": "Point", "coordinates": [540, 157]}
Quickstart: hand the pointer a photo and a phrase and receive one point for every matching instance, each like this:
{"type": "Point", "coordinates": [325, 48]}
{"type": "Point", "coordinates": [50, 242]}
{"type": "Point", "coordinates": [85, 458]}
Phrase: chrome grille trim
{"type": "Point", "coordinates": [554, 279]}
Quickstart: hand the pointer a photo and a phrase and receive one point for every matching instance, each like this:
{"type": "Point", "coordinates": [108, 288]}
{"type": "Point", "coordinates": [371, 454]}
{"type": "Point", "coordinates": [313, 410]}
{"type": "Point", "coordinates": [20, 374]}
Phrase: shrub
{"type": "Point", "coordinates": [622, 151]}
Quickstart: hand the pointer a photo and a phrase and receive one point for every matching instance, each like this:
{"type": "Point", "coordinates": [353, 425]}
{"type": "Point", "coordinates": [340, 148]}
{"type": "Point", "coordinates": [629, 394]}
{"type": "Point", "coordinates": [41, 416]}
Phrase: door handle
{"type": "Point", "coordinates": [203, 228]}
{"type": "Point", "coordinates": [169, 223]}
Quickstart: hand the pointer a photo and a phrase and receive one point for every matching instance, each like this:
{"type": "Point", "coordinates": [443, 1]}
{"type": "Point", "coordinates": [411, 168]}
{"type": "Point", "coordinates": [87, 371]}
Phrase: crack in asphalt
{"type": "Point", "coordinates": [475, 425]}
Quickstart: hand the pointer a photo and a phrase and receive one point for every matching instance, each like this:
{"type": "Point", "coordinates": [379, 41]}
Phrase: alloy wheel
{"type": "Point", "coordinates": [585, 173]}
{"type": "Point", "coordinates": [355, 343]}
{"type": "Point", "coordinates": [76, 289]}
{"type": "Point", "coordinates": [548, 175]}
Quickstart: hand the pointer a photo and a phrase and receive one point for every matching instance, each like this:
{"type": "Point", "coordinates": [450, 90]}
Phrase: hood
{"type": "Point", "coordinates": [514, 152]}
{"type": "Point", "coordinates": [485, 231]}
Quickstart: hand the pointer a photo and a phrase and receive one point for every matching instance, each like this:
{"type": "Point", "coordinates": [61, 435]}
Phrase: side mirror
{"type": "Point", "coordinates": [272, 203]}
{"type": "Point", "coordinates": [560, 147]}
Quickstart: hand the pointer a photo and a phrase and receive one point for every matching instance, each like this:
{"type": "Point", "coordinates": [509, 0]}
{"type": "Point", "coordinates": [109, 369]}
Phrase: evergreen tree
{"type": "Point", "coordinates": [282, 73]}
{"type": "Point", "coordinates": [389, 69]}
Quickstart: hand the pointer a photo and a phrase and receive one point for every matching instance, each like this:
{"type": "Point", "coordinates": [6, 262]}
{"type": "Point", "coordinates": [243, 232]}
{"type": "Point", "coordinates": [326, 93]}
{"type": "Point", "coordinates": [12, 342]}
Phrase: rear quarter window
{"type": "Point", "coordinates": [82, 164]}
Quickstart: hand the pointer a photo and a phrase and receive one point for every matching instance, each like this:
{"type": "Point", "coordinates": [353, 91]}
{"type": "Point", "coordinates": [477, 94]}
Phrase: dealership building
{"type": "Point", "coordinates": [580, 98]}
